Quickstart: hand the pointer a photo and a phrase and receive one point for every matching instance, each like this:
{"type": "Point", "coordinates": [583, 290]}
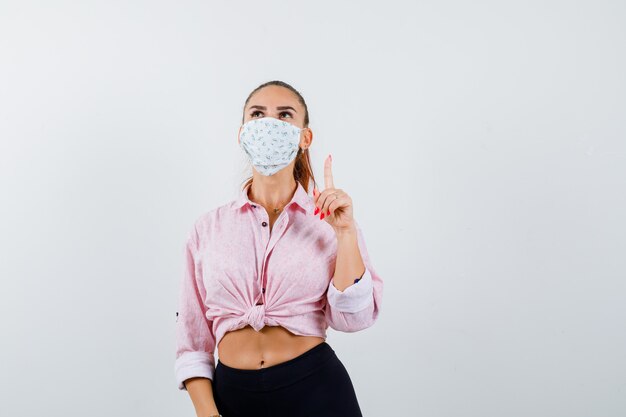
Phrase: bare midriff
{"type": "Point", "coordinates": [248, 349]}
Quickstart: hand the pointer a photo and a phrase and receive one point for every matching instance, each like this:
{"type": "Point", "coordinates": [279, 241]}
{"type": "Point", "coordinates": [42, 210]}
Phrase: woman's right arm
{"type": "Point", "coordinates": [195, 341]}
{"type": "Point", "coordinates": [201, 392]}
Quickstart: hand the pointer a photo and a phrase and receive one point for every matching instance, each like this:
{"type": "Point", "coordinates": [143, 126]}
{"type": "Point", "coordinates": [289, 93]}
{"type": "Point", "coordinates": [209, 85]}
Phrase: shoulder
{"type": "Point", "coordinates": [208, 221]}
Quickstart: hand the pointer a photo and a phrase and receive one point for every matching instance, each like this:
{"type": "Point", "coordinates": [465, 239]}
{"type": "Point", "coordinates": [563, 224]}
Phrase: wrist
{"type": "Point", "coordinates": [347, 232]}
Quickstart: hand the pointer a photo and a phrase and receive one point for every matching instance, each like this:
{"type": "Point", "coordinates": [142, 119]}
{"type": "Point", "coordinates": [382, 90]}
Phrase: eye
{"type": "Point", "coordinates": [258, 111]}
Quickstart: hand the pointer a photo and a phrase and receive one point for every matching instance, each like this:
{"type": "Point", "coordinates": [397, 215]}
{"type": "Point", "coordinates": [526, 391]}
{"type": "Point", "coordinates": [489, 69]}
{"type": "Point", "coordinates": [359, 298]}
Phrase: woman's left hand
{"type": "Point", "coordinates": [334, 203]}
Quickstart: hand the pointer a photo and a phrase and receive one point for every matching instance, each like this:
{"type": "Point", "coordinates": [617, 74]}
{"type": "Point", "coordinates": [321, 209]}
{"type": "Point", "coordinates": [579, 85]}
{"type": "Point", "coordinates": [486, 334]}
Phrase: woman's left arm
{"type": "Point", "coordinates": [352, 306]}
{"type": "Point", "coordinates": [355, 291]}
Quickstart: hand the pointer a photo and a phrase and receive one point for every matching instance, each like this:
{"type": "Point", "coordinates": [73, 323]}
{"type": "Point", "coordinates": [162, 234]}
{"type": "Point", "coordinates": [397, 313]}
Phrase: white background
{"type": "Point", "coordinates": [483, 144]}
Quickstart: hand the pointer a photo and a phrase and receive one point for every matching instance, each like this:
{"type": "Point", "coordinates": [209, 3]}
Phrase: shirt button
{"type": "Point", "coordinates": [264, 224]}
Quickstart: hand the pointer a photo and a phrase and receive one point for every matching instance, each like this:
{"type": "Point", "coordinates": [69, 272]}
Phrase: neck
{"type": "Point", "coordinates": [272, 192]}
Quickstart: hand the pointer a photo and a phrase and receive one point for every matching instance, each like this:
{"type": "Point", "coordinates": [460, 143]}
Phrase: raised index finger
{"type": "Point", "coordinates": [328, 173]}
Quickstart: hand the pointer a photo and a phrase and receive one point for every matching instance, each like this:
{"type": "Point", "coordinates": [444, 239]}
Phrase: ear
{"type": "Point", "coordinates": [307, 136]}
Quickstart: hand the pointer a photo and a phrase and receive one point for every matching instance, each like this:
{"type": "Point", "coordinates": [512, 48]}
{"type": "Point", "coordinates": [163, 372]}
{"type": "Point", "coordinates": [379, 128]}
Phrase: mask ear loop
{"type": "Point", "coordinates": [301, 151]}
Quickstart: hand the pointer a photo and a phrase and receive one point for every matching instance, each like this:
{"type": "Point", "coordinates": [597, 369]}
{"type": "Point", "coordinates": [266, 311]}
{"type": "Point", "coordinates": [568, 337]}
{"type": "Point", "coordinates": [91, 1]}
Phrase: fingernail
{"type": "Point", "coordinates": [330, 156]}
{"type": "Point", "coordinates": [322, 217]}
{"type": "Point", "coordinates": [317, 210]}
{"type": "Point", "coordinates": [328, 214]}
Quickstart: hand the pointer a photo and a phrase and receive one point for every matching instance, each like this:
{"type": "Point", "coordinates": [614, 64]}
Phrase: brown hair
{"type": "Point", "coordinates": [302, 171]}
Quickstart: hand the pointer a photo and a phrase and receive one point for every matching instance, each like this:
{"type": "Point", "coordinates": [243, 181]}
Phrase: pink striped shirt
{"type": "Point", "coordinates": [237, 273]}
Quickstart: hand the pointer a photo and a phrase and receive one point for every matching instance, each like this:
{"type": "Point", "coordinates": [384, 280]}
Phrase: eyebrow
{"type": "Point", "coordinates": [277, 108]}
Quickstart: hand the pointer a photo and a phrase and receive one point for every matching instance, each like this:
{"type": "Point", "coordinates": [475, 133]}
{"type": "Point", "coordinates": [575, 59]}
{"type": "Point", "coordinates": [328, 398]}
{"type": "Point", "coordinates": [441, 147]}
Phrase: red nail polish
{"type": "Point", "coordinates": [322, 216]}
{"type": "Point", "coordinates": [328, 214]}
{"type": "Point", "coordinates": [317, 210]}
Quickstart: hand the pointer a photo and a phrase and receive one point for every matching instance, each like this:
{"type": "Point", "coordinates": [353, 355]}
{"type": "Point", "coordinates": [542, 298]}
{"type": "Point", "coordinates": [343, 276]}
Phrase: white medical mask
{"type": "Point", "coordinates": [271, 144]}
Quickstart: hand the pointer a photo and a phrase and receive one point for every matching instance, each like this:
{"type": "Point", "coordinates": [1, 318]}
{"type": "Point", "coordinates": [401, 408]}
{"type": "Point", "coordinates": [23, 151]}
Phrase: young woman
{"type": "Point", "coordinates": [267, 273]}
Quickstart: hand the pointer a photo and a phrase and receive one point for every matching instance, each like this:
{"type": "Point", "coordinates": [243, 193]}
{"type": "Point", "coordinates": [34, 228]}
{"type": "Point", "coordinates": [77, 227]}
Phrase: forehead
{"type": "Point", "coordinates": [273, 96]}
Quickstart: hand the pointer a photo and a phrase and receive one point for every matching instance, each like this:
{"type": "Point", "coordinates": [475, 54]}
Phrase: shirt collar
{"type": "Point", "coordinates": [300, 197]}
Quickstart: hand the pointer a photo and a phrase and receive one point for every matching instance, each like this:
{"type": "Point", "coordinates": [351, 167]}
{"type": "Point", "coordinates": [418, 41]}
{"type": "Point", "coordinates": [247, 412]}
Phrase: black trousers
{"type": "Point", "coordinates": [314, 383]}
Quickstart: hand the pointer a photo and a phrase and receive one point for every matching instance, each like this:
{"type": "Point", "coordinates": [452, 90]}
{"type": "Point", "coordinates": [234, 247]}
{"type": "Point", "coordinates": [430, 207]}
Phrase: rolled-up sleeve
{"type": "Point", "coordinates": [195, 341]}
{"type": "Point", "coordinates": [358, 306]}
